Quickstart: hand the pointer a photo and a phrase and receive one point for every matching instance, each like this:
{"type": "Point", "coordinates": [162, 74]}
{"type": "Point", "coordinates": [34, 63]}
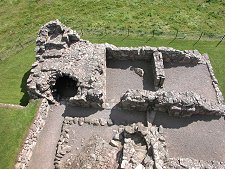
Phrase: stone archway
{"type": "Point", "coordinates": [65, 87]}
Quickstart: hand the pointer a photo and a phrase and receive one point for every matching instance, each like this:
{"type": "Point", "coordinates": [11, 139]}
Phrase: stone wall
{"type": "Point", "coordinates": [61, 52]}
{"type": "Point", "coordinates": [158, 69]}
{"type": "Point", "coordinates": [170, 55]}
{"type": "Point", "coordinates": [215, 84]}
{"type": "Point", "coordinates": [183, 163]}
{"type": "Point", "coordinates": [176, 104]}
{"type": "Point", "coordinates": [139, 145]}
{"type": "Point", "coordinates": [187, 57]}
{"type": "Point", "coordinates": [34, 132]}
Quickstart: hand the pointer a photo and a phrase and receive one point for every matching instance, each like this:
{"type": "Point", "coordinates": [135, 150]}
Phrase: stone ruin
{"type": "Point", "coordinates": [74, 69]}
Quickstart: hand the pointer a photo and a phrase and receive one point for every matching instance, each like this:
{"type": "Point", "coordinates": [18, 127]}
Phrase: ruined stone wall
{"type": "Point", "coordinates": [215, 84]}
{"type": "Point", "coordinates": [34, 132]}
{"type": "Point", "coordinates": [170, 55]}
{"type": "Point", "coordinates": [61, 52]}
{"type": "Point", "coordinates": [158, 69]}
{"type": "Point", "coordinates": [183, 163]}
{"type": "Point", "coordinates": [176, 104]}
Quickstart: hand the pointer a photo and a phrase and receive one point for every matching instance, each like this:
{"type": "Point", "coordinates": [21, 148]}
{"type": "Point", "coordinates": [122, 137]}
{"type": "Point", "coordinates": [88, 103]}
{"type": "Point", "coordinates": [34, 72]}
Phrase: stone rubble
{"type": "Point", "coordinates": [32, 138]}
{"type": "Point", "coordinates": [136, 146]}
{"type": "Point", "coordinates": [139, 146]}
{"type": "Point", "coordinates": [175, 103]}
{"type": "Point", "coordinates": [139, 71]}
{"type": "Point", "coordinates": [61, 52]}
{"type": "Point", "coordinates": [188, 163]}
{"type": "Point", "coordinates": [170, 55]}
{"type": "Point", "coordinates": [219, 94]}
{"type": "Point", "coordinates": [158, 70]}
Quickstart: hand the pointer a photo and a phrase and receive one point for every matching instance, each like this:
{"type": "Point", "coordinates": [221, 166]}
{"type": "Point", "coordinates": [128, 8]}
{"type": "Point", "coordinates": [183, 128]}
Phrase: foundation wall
{"type": "Point", "coordinates": [158, 69]}
{"type": "Point", "coordinates": [34, 132]}
{"type": "Point", "coordinates": [174, 103]}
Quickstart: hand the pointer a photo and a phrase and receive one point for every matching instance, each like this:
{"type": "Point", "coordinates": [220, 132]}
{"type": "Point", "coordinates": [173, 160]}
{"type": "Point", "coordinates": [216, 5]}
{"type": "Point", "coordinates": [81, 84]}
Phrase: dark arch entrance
{"type": "Point", "coordinates": [65, 87]}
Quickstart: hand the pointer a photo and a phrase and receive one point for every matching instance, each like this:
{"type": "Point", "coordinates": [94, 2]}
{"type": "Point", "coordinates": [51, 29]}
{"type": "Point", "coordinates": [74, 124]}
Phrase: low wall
{"type": "Point", "coordinates": [158, 69]}
{"type": "Point", "coordinates": [31, 140]}
{"type": "Point", "coordinates": [176, 104]}
{"type": "Point", "coordinates": [219, 94]}
{"type": "Point", "coordinates": [170, 55]}
{"type": "Point", "coordinates": [174, 163]}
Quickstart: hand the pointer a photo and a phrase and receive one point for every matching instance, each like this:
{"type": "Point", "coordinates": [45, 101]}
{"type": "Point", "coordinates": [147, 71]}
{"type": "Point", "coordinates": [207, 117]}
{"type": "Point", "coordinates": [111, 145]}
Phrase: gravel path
{"type": "Point", "coordinates": [199, 137]}
{"type": "Point", "coordinates": [119, 77]}
{"type": "Point", "coordinates": [44, 152]}
{"type": "Point", "coordinates": [195, 79]}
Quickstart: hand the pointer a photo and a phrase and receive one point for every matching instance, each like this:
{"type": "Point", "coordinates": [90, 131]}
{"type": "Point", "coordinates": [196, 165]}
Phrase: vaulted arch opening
{"type": "Point", "coordinates": [64, 88]}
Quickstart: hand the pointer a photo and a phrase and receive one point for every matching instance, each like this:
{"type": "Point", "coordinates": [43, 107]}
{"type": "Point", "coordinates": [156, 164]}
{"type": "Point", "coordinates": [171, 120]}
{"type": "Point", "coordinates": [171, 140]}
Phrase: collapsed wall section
{"type": "Point", "coordinates": [61, 53]}
{"type": "Point", "coordinates": [158, 69]}
{"type": "Point", "coordinates": [174, 103]}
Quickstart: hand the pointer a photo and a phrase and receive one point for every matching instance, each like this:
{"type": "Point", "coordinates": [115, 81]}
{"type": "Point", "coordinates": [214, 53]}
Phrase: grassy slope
{"type": "Point", "coordinates": [13, 128]}
{"type": "Point", "coordinates": [21, 19]}
{"type": "Point", "coordinates": [14, 72]}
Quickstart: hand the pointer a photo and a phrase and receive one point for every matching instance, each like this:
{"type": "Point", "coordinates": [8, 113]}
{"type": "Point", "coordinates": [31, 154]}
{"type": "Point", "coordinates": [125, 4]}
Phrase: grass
{"type": "Point", "coordinates": [21, 19]}
{"type": "Point", "coordinates": [14, 125]}
{"type": "Point", "coordinates": [14, 72]}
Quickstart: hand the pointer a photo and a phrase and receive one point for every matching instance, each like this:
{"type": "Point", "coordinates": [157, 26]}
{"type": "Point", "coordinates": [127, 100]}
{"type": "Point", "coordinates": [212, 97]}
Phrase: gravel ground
{"type": "Point", "coordinates": [44, 152]}
{"type": "Point", "coordinates": [199, 137]}
{"type": "Point", "coordinates": [118, 116]}
{"type": "Point", "coordinates": [195, 79]}
{"type": "Point", "coordinates": [80, 136]}
{"type": "Point", "coordinates": [119, 77]}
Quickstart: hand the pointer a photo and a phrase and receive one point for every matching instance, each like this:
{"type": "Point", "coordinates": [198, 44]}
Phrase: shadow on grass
{"type": "Point", "coordinates": [25, 98]}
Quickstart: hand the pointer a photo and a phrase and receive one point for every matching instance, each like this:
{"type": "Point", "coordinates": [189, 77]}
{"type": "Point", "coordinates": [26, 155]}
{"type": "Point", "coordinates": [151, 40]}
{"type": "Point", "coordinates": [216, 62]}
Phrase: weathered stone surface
{"type": "Point", "coordinates": [60, 52]}
{"type": "Point", "coordinates": [176, 104]}
{"type": "Point", "coordinates": [158, 69]}
{"type": "Point", "coordinates": [139, 71]}
{"type": "Point", "coordinates": [184, 163]}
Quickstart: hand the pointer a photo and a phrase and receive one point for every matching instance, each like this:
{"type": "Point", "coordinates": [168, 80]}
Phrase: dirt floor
{"type": "Point", "coordinates": [81, 135]}
{"type": "Point", "coordinates": [196, 79]}
{"type": "Point", "coordinates": [119, 77]}
{"type": "Point", "coordinates": [200, 137]}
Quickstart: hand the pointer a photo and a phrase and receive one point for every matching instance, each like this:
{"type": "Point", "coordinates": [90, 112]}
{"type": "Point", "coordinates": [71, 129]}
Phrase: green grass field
{"type": "Point", "coordinates": [13, 129]}
{"type": "Point", "coordinates": [21, 20]}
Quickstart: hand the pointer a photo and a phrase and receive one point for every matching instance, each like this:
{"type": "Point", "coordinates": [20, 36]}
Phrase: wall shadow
{"type": "Point", "coordinates": [148, 81]}
{"type": "Point", "coordinates": [126, 117]}
{"type": "Point", "coordinates": [73, 111]}
{"type": "Point", "coordinates": [163, 118]}
{"type": "Point", "coordinates": [25, 98]}
{"type": "Point", "coordinates": [171, 65]}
